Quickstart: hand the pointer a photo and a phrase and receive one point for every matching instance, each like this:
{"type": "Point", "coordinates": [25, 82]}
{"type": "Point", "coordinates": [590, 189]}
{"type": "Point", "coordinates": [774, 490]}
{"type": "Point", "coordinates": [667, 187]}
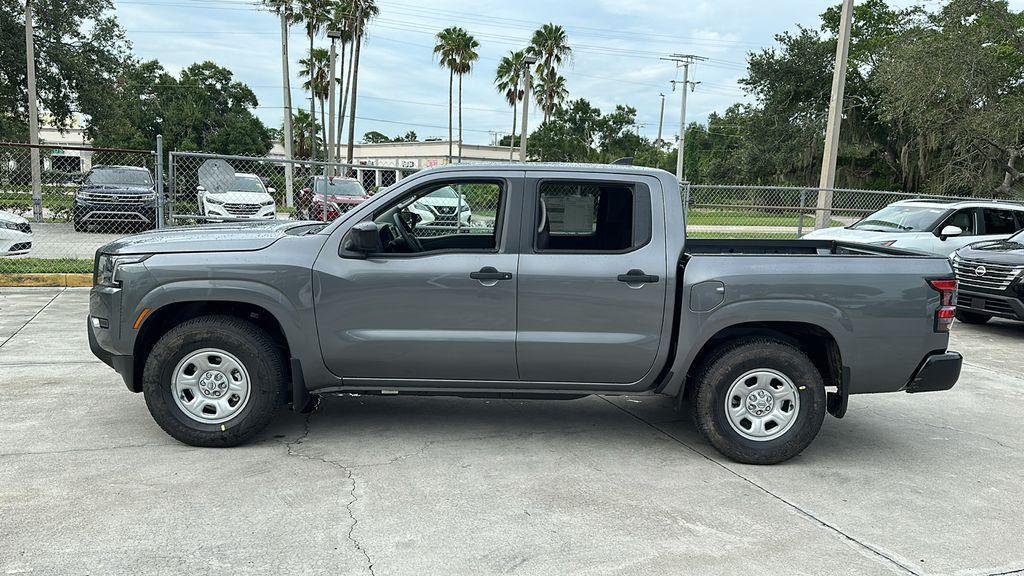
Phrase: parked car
{"type": "Point", "coordinates": [438, 209]}
{"type": "Point", "coordinates": [326, 198]}
{"type": "Point", "coordinates": [931, 226]}
{"type": "Point", "coordinates": [991, 279]}
{"type": "Point", "coordinates": [247, 198]}
{"type": "Point", "coordinates": [584, 283]}
{"type": "Point", "coordinates": [15, 235]}
{"type": "Point", "coordinates": [122, 195]}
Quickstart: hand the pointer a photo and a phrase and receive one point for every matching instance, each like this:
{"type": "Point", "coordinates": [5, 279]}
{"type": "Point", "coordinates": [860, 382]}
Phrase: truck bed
{"type": "Point", "coordinates": [708, 246]}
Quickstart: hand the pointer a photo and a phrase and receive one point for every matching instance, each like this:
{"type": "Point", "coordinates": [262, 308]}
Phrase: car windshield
{"type": "Point", "coordinates": [901, 219]}
{"type": "Point", "coordinates": [119, 177]}
{"type": "Point", "coordinates": [339, 187]}
{"type": "Point", "coordinates": [247, 184]}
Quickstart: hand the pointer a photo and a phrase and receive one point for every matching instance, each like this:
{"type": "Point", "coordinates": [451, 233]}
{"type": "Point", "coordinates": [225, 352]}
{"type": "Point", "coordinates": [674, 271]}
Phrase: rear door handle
{"type": "Point", "coordinates": [490, 273]}
{"type": "Point", "coordinates": [637, 276]}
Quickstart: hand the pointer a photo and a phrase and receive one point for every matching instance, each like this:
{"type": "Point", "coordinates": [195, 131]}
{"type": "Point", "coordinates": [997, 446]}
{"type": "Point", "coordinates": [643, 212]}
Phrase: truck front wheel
{"type": "Point", "coordinates": [759, 401]}
{"type": "Point", "coordinates": [214, 381]}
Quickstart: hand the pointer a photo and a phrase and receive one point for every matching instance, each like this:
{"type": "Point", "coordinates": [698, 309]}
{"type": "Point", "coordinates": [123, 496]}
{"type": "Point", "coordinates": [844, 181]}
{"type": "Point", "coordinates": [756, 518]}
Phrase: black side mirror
{"type": "Point", "coordinates": [362, 239]}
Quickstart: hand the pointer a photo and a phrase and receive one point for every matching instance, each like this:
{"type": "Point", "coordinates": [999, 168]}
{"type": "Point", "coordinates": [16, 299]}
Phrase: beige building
{"type": "Point", "coordinates": [416, 155]}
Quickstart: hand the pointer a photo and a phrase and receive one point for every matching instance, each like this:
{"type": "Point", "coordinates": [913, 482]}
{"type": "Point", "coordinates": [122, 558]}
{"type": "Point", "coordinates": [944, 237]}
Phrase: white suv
{"type": "Point", "coordinates": [439, 208]}
{"type": "Point", "coordinates": [931, 226]}
{"type": "Point", "coordinates": [246, 199]}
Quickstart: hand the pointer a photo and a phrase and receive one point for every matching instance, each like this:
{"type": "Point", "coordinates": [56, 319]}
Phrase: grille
{"type": "Point", "coordinates": [987, 304]}
{"type": "Point", "coordinates": [118, 199]}
{"type": "Point", "coordinates": [992, 276]}
{"type": "Point", "coordinates": [242, 209]}
{"type": "Point", "coordinates": [448, 210]}
{"type": "Point", "coordinates": [25, 227]}
{"type": "Point", "coordinates": [21, 246]}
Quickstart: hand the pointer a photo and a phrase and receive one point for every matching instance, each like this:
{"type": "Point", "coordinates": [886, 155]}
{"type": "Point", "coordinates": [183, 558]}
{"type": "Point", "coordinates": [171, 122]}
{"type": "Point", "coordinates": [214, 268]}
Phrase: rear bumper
{"type": "Point", "coordinates": [937, 372]}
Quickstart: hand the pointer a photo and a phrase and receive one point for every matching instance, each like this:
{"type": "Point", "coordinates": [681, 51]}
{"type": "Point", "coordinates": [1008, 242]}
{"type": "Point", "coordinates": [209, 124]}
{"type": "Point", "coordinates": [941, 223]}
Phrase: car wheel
{"type": "Point", "coordinates": [759, 401]}
{"type": "Point", "coordinates": [214, 381]}
{"type": "Point", "coordinates": [971, 317]}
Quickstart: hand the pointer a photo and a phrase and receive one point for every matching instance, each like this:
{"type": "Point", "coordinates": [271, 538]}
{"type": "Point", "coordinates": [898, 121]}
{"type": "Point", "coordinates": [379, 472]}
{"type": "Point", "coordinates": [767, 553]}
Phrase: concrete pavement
{"type": "Point", "coordinates": [925, 484]}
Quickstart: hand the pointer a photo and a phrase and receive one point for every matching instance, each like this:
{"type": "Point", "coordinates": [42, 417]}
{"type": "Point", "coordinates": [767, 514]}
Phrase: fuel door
{"type": "Point", "coordinates": [705, 296]}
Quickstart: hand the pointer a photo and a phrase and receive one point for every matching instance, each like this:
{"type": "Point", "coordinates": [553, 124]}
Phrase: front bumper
{"type": "Point", "coordinates": [95, 212]}
{"type": "Point", "coordinates": [124, 365]}
{"type": "Point", "coordinates": [1002, 305]}
{"type": "Point", "coordinates": [103, 326]}
{"type": "Point", "coordinates": [938, 372]}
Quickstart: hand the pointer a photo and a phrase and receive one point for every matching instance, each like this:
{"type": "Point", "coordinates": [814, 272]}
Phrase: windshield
{"type": "Point", "coordinates": [338, 187]}
{"type": "Point", "coordinates": [119, 177]}
{"type": "Point", "coordinates": [247, 184]}
{"type": "Point", "coordinates": [901, 219]}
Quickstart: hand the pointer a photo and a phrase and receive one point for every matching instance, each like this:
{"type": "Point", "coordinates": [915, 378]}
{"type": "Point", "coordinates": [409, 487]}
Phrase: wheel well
{"type": "Point", "coordinates": [166, 317]}
{"type": "Point", "coordinates": [819, 345]}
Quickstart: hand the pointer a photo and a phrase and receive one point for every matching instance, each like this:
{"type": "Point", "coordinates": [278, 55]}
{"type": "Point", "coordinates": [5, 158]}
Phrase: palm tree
{"type": "Point", "coordinates": [508, 80]}
{"type": "Point", "coordinates": [362, 12]}
{"type": "Point", "coordinates": [313, 15]}
{"type": "Point", "coordinates": [305, 134]}
{"type": "Point", "coordinates": [467, 55]}
{"type": "Point", "coordinates": [341, 20]}
{"type": "Point", "coordinates": [550, 45]}
{"type": "Point", "coordinates": [551, 91]}
{"type": "Point", "coordinates": [283, 9]}
{"type": "Point", "coordinates": [315, 71]}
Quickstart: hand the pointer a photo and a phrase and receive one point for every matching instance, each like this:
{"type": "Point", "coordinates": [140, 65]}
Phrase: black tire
{"type": "Point", "coordinates": [261, 357]}
{"type": "Point", "coordinates": [730, 362]}
{"type": "Point", "coordinates": [971, 317]}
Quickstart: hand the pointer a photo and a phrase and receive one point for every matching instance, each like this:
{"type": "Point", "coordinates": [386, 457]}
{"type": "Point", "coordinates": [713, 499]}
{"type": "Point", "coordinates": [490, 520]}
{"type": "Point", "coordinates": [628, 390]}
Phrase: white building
{"type": "Point", "coordinates": [416, 155]}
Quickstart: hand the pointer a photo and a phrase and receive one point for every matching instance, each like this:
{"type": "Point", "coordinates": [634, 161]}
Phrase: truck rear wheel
{"type": "Point", "coordinates": [971, 317]}
{"type": "Point", "coordinates": [214, 381]}
{"type": "Point", "coordinates": [759, 401]}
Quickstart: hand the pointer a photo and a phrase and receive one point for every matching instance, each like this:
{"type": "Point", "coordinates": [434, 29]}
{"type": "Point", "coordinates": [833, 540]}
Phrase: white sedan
{"type": "Point", "coordinates": [15, 235]}
{"type": "Point", "coordinates": [245, 199]}
{"type": "Point", "coordinates": [931, 226]}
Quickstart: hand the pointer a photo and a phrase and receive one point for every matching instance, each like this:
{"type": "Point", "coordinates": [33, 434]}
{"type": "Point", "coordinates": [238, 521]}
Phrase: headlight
{"type": "Point", "coordinates": [107, 266]}
{"type": "Point", "coordinates": [464, 208]}
{"type": "Point", "coordinates": [268, 203]}
{"type": "Point", "coordinates": [10, 225]}
{"type": "Point", "coordinates": [213, 200]}
{"type": "Point", "coordinates": [420, 207]}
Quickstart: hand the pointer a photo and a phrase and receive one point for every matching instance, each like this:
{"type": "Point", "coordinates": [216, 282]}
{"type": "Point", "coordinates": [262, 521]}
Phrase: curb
{"type": "Point", "coordinates": [45, 280]}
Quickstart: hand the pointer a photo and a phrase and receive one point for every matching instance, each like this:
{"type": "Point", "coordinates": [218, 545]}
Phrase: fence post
{"type": "Point", "coordinates": [800, 217]}
{"type": "Point", "coordinates": [159, 181]}
{"type": "Point", "coordinates": [170, 187]}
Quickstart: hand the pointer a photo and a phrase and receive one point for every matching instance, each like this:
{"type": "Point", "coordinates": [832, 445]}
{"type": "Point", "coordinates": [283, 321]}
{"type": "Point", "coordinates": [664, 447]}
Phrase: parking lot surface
{"type": "Point", "coordinates": [924, 484]}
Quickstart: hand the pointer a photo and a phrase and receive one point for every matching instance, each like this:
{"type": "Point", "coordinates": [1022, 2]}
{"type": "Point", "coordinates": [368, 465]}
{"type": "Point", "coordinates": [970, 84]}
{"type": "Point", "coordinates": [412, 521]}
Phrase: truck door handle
{"type": "Point", "coordinates": [637, 276]}
{"type": "Point", "coordinates": [490, 273]}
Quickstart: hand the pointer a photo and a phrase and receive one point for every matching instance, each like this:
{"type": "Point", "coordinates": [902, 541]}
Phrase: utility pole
{"type": "Point", "coordinates": [527, 85]}
{"type": "Point", "coordinates": [684, 61]}
{"type": "Point", "coordinates": [661, 118]}
{"type": "Point", "coordinates": [289, 178]}
{"type": "Point", "coordinates": [333, 35]}
{"type": "Point", "coordinates": [823, 214]}
{"type": "Point", "coordinates": [33, 115]}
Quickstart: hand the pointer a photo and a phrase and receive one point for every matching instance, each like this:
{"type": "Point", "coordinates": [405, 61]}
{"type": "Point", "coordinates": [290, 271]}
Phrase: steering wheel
{"type": "Point", "coordinates": [410, 240]}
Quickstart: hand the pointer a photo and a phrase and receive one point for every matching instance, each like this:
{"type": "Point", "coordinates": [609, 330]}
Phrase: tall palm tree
{"type": "Point", "coordinates": [447, 52]}
{"type": "Point", "coordinates": [551, 91]}
{"type": "Point", "coordinates": [467, 55]}
{"type": "Point", "coordinates": [508, 80]}
{"type": "Point", "coordinates": [313, 15]}
{"type": "Point", "coordinates": [341, 20]}
{"type": "Point", "coordinates": [315, 70]}
{"type": "Point", "coordinates": [283, 9]}
{"type": "Point", "coordinates": [362, 12]}
{"type": "Point", "coordinates": [550, 45]}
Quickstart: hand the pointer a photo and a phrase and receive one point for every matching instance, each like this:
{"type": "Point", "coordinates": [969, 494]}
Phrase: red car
{"type": "Point", "coordinates": [326, 198]}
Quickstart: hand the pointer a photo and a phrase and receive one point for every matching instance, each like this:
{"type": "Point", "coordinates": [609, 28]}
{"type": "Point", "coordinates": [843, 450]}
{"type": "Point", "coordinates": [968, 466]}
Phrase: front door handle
{"type": "Point", "coordinates": [637, 276]}
{"type": "Point", "coordinates": [490, 273]}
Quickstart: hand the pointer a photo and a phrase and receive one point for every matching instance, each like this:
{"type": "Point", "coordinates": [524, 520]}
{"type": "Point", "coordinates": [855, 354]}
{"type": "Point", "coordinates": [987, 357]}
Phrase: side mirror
{"type": "Point", "coordinates": [271, 190]}
{"type": "Point", "coordinates": [200, 189]}
{"type": "Point", "coordinates": [950, 230]}
{"type": "Point", "coordinates": [362, 239]}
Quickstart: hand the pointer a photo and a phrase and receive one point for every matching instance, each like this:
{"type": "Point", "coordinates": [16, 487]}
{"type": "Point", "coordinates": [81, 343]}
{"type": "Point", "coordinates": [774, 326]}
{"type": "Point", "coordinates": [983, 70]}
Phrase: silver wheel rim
{"type": "Point", "coordinates": [210, 386]}
{"type": "Point", "coordinates": [762, 404]}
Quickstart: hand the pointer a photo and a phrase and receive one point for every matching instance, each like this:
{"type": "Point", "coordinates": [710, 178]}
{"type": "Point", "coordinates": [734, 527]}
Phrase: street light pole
{"type": "Point", "coordinates": [827, 182]}
{"type": "Point", "coordinates": [527, 85]}
{"type": "Point", "coordinates": [661, 118]}
{"type": "Point", "coordinates": [33, 115]}
{"type": "Point", "coordinates": [333, 35]}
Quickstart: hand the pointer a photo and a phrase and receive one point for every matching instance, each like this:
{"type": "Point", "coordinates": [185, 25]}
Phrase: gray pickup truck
{"type": "Point", "coordinates": [568, 280]}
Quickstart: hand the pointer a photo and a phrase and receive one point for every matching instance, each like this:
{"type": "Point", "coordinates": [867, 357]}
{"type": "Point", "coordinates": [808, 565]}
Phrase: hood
{"type": "Point", "coordinates": [344, 199]}
{"type": "Point", "coordinates": [1006, 252]}
{"type": "Point", "coordinates": [116, 188]}
{"type": "Point", "coordinates": [229, 237]}
{"type": "Point", "coordinates": [232, 197]}
{"type": "Point", "coordinates": [437, 201]}
{"type": "Point", "coordinates": [13, 218]}
{"type": "Point", "coordinates": [848, 235]}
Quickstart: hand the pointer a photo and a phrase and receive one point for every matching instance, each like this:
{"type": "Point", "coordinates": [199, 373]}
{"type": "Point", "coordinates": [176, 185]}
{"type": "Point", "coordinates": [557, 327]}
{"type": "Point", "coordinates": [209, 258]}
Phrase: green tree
{"type": "Point", "coordinates": [314, 15]}
{"type": "Point", "coordinates": [579, 132]}
{"type": "Point", "coordinates": [315, 70]}
{"type": "Point", "coordinates": [550, 90]}
{"type": "Point", "coordinates": [508, 79]}
{"type": "Point", "coordinates": [362, 11]}
{"type": "Point", "coordinates": [466, 56]}
{"type": "Point", "coordinates": [80, 50]}
{"type": "Point", "coordinates": [446, 49]}
{"type": "Point", "coordinates": [306, 133]}
{"type": "Point", "coordinates": [550, 45]}
{"type": "Point", "coordinates": [375, 137]}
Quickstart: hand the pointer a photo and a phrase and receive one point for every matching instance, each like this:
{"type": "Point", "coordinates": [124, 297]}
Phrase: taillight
{"type": "Point", "coordinates": [947, 306]}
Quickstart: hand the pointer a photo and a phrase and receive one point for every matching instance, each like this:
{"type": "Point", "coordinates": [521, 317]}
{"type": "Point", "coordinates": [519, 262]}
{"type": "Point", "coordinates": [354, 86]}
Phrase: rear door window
{"type": "Point", "coordinates": [999, 221]}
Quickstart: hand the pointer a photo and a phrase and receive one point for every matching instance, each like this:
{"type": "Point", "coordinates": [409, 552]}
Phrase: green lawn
{"type": "Point", "coordinates": [748, 218]}
{"type": "Point", "coordinates": [741, 236]}
{"type": "Point", "coordinates": [45, 266]}
{"type": "Point", "coordinates": [22, 201]}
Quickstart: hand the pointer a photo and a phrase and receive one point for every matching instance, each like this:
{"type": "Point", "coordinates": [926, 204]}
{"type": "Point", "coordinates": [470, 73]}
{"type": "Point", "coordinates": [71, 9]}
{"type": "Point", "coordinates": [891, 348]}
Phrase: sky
{"type": "Point", "coordinates": [617, 46]}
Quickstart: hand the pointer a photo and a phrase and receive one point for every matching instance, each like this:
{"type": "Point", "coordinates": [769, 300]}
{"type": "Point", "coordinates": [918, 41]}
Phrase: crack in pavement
{"type": "Point", "coordinates": [291, 451]}
{"type": "Point", "coordinates": [29, 321]}
{"type": "Point", "coordinates": [872, 550]}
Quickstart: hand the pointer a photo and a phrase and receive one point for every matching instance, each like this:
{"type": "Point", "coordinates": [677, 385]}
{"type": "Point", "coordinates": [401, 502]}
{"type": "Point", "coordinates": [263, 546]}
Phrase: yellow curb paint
{"type": "Point", "coordinates": [45, 280]}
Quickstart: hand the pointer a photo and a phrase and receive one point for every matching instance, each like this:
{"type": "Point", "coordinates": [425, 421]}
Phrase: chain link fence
{"type": "Point", "coordinates": [87, 196]}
